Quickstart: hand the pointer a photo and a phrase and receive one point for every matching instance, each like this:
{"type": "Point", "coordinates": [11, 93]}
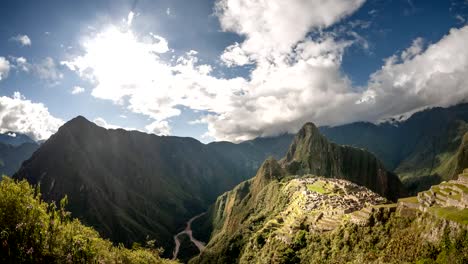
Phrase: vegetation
{"type": "Point", "coordinates": [389, 238]}
{"type": "Point", "coordinates": [263, 223]}
{"type": "Point", "coordinates": [451, 213]}
{"type": "Point", "coordinates": [33, 231]}
{"type": "Point", "coordinates": [318, 187]}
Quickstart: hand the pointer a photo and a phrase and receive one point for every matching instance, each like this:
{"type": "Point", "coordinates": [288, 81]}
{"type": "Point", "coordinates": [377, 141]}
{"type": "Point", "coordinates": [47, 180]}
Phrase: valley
{"type": "Point", "coordinates": [188, 231]}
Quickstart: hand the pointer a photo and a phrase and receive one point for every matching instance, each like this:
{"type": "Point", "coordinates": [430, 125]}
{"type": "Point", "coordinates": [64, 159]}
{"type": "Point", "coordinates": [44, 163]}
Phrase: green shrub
{"type": "Point", "coordinates": [33, 231]}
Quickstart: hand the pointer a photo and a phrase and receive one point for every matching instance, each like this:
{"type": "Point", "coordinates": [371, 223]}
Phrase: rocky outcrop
{"type": "Point", "coordinates": [269, 171]}
{"type": "Point", "coordinates": [312, 153]}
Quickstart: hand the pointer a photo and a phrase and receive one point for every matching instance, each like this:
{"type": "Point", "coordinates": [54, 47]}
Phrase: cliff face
{"type": "Point", "coordinates": [312, 153]}
{"type": "Point", "coordinates": [462, 156]}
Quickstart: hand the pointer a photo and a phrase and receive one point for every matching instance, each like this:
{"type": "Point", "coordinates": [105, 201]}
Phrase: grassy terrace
{"type": "Point", "coordinates": [392, 205]}
{"type": "Point", "coordinates": [451, 213]}
{"type": "Point", "coordinates": [319, 187]}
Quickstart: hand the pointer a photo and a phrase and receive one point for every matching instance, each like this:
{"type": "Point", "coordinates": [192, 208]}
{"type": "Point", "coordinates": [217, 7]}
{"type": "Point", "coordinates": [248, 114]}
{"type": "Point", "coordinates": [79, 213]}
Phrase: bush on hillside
{"type": "Point", "coordinates": [33, 231]}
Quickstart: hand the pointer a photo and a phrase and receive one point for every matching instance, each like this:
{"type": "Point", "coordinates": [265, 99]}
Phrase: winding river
{"type": "Point", "coordinates": [188, 231]}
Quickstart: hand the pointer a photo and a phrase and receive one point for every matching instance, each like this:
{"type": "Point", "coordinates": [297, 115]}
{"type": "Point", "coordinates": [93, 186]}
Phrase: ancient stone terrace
{"type": "Point", "coordinates": [322, 204]}
{"type": "Point", "coordinates": [333, 199]}
{"type": "Point", "coordinates": [447, 194]}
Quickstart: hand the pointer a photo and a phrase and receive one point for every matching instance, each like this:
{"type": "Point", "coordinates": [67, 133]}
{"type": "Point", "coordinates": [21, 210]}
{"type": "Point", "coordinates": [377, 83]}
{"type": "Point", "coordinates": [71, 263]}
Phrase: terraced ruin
{"type": "Point", "coordinates": [330, 201]}
{"type": "Point", "coordinates": [448, 200]}
{"type": "Point", "coordinates": [308, 215]}
{"type": "Point", "coordinates": [322, 204]}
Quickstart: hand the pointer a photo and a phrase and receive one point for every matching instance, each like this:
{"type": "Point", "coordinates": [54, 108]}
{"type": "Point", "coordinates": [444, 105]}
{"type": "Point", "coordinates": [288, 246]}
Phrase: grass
{"type": "Point", "coordinates": [462, 187]}
{"type": "Point", "coordinates": [412, 199]}
{"type": "Point", "coordinates": [451, 213]}
{"type": "Point", "coordinates": [393, 205]}
{"type": "Point", "coordinates": [319, 187]}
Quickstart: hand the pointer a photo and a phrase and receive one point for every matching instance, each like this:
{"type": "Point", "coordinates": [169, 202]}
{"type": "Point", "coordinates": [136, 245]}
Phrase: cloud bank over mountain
{"type": "Point", "coordinates": [296, 72]}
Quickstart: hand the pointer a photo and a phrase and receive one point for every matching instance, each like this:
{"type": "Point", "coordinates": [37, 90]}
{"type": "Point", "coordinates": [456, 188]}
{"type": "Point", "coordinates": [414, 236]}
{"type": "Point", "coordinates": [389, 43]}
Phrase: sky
{"type": "Point", "coordinates": [227, 69]}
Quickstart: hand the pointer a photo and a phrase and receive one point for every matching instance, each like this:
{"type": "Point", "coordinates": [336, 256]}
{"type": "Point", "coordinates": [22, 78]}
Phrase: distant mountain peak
{"type": "Point", "coordinates": [15, 138]}
{"type": "Point", "coordinates": [79, 119]}
{"type": "Point", "coordinates": [79, 122]}
{"type": "Point", "coordinates": [312, 153]}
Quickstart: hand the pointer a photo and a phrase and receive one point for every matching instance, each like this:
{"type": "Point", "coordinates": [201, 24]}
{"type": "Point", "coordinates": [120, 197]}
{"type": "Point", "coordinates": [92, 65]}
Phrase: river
{"type": "Point", "coordinates": [188, 231]}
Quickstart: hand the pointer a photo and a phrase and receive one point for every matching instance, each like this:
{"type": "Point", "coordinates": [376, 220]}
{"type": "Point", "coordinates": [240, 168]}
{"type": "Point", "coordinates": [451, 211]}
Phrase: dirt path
{"type": "Point", "coordinates": [188, 230]}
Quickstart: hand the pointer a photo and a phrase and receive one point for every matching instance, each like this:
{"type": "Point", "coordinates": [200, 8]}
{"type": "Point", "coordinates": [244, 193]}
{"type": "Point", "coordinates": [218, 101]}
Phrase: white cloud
{"type": "Point", "coordinates": [296, 77]}
{"type": "Point", "coordinates": [168, 11]}
{"type": "Point", "coordinates": [273, 27]}
{"type": "Point", "coordinates": [415, 49]}
{"type": "Point", "coordinates": [21, 63]}
{"type": "Point", "coordinates": [103, 123]}
{"type": "Point", "coordinates": [4, 68]}
{"type": "Point", "coordinates": [128, 70]}
{"type": "Point", "coordinates": [24, 40]}
{"type": "Point", "coordinates": [234, 55]}
{"type": "Point", "coordinates": [77, 90]}
{"type": "Point", "coordinates": [161, 128]}
{"type": "Point", "coordinates": [21, 115]}
{"type": "Point", "coordinates": [432, 77]}
{"type": "Point", "coordinates": [130, 17]}
{"type": "Point", "coordinates": [47, 69]}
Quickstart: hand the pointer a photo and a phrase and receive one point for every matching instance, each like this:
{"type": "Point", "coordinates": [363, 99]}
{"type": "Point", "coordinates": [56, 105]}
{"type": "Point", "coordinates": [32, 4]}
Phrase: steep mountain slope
{"type": "Point", "coordinates": [274, 218]}
{"type": "Point", "coordinates": [413, 148]}
{"type": "Point", "coordinates": [11, 156]}
{"type": "Point", "coordinates": [131, 185]}
{"type": "Point", "coordinates": [312, 153]}
{"type": "Point", "coordinates": [33, 231]}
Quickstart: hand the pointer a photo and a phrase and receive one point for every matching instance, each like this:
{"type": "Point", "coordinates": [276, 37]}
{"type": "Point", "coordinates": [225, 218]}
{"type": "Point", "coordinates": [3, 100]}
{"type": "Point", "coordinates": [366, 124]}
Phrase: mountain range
{"type": "Point", "coordinates": [14, 149]}
{"type": "Point", "coordinates": [132, 186]}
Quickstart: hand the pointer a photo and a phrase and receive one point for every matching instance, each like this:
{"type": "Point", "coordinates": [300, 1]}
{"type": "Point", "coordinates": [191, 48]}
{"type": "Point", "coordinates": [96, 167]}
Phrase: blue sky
{"type": "Point", "coordinates": [173, 67]}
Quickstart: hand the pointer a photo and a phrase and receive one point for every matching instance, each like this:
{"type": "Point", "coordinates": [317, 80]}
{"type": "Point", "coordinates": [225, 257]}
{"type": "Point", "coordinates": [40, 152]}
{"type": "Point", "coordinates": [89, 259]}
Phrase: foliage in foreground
{"type": "Point", "coordinates": [33, 231]}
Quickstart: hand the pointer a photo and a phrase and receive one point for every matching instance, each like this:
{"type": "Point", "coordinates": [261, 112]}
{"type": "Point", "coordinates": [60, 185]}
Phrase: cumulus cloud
{"type": "Point", "coordinates": [432, 77]}
{"type": "Point", "coordinates": [103, 123]}
{"type": "Point", "coordinates": [4, 68]}
{"type": "Point", "coordinates": [21, 63]}
{"type": "Point", "coordinates": [21, 115]}
{"type": "Point", "coordinates": [46, 69]}
{"type": "Point", "coordinates": [23, 40]}
{"type": "Point", "coordinates": [296, 77]}
{"type": "Point", "coordinates": [144, 82]}
{"type": "Point", "coordinates": [161, 128]}
{"type": "Point", "coordinates": [77, 90]}
{"type": "Point", "coordinates": [273, 27]}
